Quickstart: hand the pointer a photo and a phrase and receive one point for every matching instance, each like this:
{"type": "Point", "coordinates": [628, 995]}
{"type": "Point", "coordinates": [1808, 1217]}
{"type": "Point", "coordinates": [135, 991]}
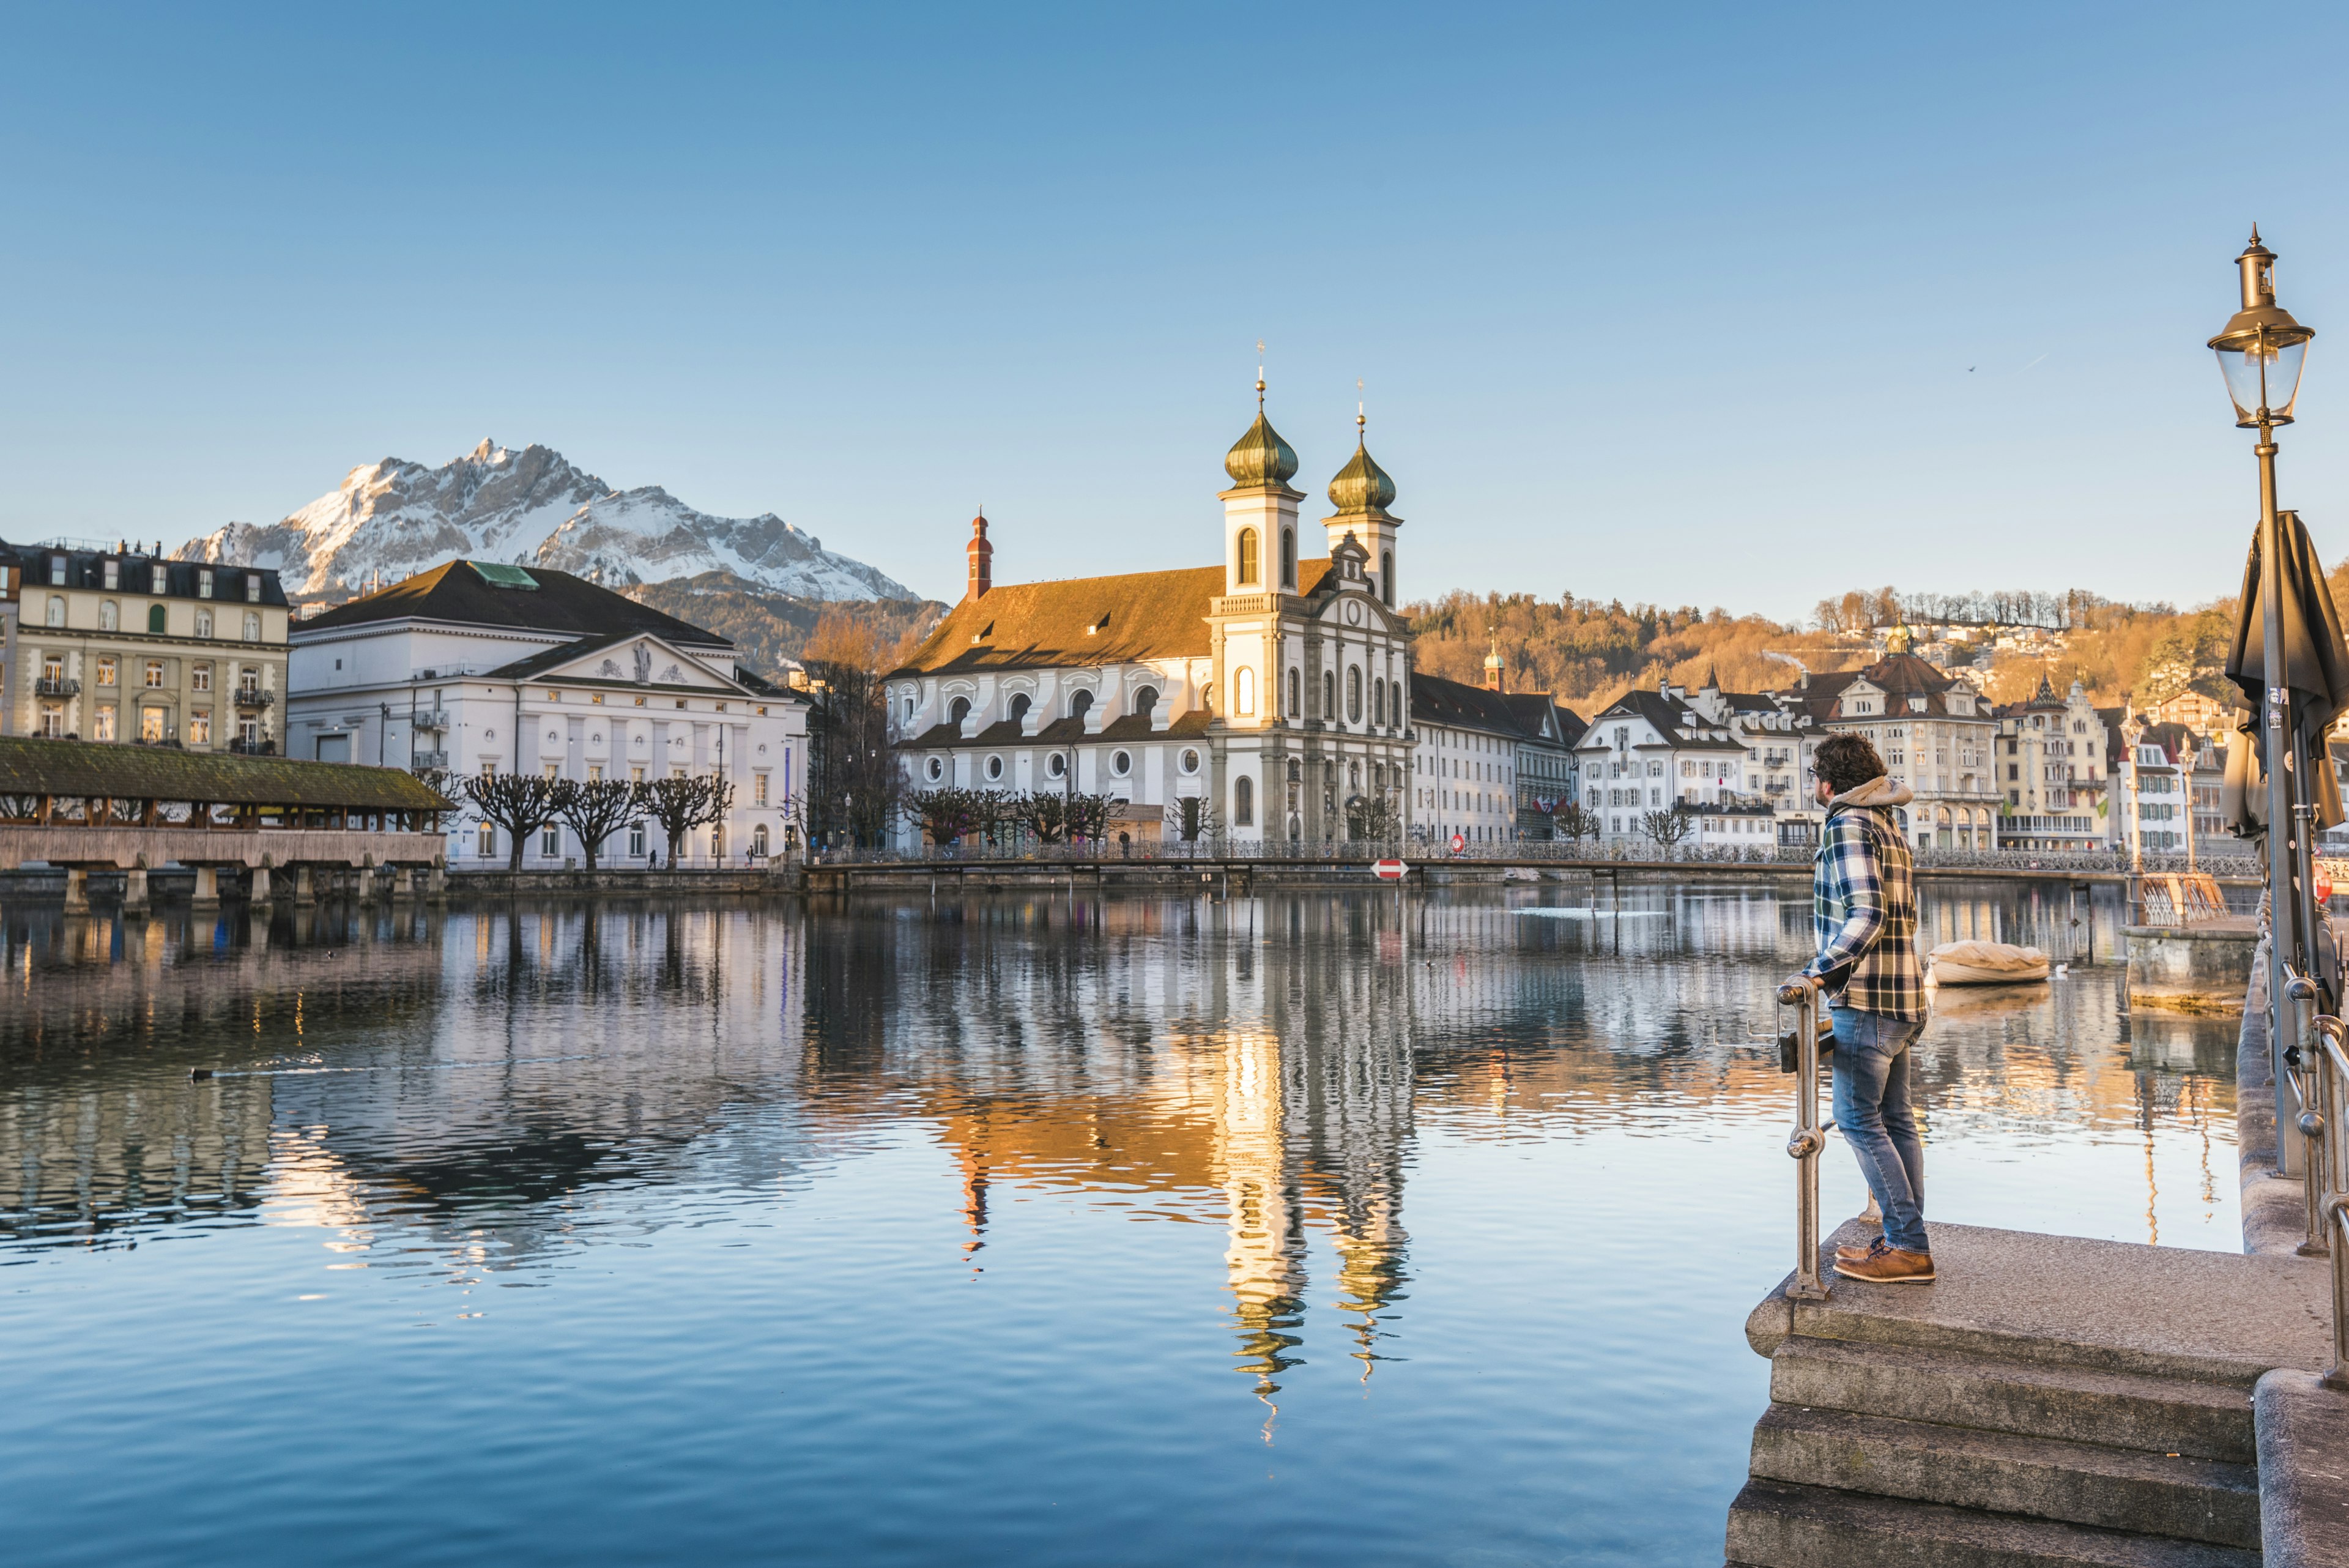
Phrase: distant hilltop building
{"type": "Point", "coordinates": [1263, 698]}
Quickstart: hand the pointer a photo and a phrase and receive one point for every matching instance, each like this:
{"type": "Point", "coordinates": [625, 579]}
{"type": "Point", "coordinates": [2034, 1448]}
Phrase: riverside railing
{"type": "Point", "coordinates": [1801, 994]}
{"type": "Point", "coordinates": [2325, 1123]}
{"type": "Point", "coordinates": [1519, 852]}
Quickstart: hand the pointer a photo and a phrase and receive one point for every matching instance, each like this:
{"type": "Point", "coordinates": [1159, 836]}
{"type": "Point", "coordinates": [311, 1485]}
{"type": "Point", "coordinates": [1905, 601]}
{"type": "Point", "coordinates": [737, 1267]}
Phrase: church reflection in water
{"type": "Point", "coordinates": [1172, 1057]}
{"type": "Point", "coordinates": [492, 1090]}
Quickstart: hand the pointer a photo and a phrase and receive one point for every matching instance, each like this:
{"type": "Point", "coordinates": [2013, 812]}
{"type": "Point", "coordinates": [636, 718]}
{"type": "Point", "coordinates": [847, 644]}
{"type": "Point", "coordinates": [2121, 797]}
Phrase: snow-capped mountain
{"type": "Point", "coordinates": [532, 507]}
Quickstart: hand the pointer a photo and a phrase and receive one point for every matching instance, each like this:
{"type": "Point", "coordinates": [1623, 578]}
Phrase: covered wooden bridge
{"type": "Point", "coordinates": [81, 805]}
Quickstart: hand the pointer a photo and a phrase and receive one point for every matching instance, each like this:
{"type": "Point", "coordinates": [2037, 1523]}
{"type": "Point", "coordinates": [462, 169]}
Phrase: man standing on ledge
{"type": "Point", "coordinates": [1864, 910]}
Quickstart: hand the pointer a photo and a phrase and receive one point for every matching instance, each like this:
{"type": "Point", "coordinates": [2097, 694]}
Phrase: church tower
{"type": "Point", "coordinates": [1362, 492]}
{"type": "Point", "coordinates": [1260, 510]}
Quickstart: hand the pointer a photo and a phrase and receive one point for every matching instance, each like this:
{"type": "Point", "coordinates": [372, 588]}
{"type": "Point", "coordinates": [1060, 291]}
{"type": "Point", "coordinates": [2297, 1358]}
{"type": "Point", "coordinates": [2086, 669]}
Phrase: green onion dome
{"type": "Point", "coordinates": [1260, 457]}
{"type": "Point", "coordinates": [1361, 486]}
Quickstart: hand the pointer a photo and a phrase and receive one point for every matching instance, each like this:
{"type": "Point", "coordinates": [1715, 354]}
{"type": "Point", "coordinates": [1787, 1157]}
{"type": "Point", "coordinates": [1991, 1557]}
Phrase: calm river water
{"type": "Point", "coordinates": [1297, 1230]}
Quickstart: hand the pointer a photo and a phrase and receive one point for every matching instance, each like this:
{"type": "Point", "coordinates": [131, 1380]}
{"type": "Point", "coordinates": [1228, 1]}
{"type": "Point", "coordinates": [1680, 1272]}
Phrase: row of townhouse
{"type": "Point", "coordinates": [2030, 775]}
{"type": "Point", "coordinates": [468, 667]}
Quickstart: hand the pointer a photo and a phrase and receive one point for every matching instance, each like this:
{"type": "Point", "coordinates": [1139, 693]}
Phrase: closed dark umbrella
{"type": "Point", "coordinates": [2315, 668]}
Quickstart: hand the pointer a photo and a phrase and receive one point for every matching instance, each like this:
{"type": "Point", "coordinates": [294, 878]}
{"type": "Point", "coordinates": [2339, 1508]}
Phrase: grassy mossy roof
{"type": "Point", "coordinates": [90, 768]}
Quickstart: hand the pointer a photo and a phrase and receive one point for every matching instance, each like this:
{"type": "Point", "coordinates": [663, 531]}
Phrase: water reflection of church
{"type": "Point", "coordinates": [1282, 1098]}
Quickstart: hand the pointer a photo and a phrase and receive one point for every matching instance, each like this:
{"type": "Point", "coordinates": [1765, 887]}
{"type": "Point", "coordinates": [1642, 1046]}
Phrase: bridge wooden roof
{"type": "Point", "coordinates": [91, 769]}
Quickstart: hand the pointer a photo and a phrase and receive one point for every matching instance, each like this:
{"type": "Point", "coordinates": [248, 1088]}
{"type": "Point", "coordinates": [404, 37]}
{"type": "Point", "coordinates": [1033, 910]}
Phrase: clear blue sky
{"type": "Point", "coordinates": [1728, 306]}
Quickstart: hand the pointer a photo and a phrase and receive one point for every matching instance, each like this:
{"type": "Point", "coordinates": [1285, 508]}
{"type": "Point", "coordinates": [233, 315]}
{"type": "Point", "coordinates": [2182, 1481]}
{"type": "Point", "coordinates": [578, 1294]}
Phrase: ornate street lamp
{"type": "Point", "coordinates": [2260, 354]}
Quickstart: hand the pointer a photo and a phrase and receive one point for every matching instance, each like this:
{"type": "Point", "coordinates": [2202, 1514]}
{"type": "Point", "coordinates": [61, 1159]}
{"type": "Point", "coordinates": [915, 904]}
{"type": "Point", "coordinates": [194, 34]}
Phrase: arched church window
{"type": "Point", "coordinates": [1244, 801]}
{"type": "Point", "coordinates": [1081, 704]}
{"type": "Point", "coordinates": [1378, 701]}
{"type": "Point", "coordinates": [1354, 694]}
{"type": "Point", "coordinates": [1247, 555]}
{"type": "Point", "coordinates": [1295, 770]}
{"type": "Point", "coordinates": [1395, 701]}
{"type": "Point", "coordinates": [1019, 706]}
{"type": "Point", "coordinates": [1296, 695]}
{"type": "Point", "coordinates": [1244, 692]}
{"type": "Point", "coordinates": [958, 709]}
{"type": "Point", "coordinates": [1329, 695]}
{"type": "Point", "coordinates": [1386, 576]}
{"type": "Point", "coordinates": [1289, 559]}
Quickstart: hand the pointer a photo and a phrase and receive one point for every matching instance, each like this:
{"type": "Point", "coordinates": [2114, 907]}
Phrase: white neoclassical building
{"type": "Point", "coordinates": [1273, 688]}
{"type": "Point", "coordinates": [477, 667]}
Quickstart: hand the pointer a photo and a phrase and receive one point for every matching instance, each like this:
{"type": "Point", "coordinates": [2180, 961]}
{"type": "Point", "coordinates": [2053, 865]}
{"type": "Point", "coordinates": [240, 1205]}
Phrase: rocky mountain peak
{"type": "Point", "coordinates": [534, 507]}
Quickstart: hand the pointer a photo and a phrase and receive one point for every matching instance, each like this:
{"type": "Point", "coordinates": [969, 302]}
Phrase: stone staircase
{"type": "Point", "coordinates": [2050, 1401]}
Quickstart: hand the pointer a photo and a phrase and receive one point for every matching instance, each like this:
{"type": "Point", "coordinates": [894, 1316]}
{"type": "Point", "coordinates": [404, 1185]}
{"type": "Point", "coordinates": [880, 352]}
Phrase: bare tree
{"type": "Point", "coordinates": [1044, 813]}
{"type": "Point", "coordinates": [1191, 819]}
{"type": "Point", "coordinates": [1668, 827]}
{"type": "Point", "coordinates": [857, 787]}
{"type": "Point", "coordinates": [682, 804]}
{"type": "Point", "coordinates": [521, 803]}
{"type": "Point", "coordinates": [1374, 818]}
{"type": "Point", "coordinates": [949, 814]}
{"type": "Point", "coordinates": [595, 809]}
{"type": "Point", "coordinates": [1577, 822]}
{"type": "Point", "coordinates": [1089, 817]}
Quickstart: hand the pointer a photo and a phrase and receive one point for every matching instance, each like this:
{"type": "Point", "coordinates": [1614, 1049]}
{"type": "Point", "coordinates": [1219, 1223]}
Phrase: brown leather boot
{"type": "Point", "coordinates": [1854, 1254]}
{"type": "Point", "coordinates": [1892, 1266]}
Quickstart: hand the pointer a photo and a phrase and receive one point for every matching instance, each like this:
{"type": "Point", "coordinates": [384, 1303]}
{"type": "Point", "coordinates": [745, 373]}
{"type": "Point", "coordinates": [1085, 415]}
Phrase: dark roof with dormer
{"type": "Point", "coordinates": [1678, 725]}
{"type": "Point", "coordinates": [138, 572]}
{"type": "Point", "coordinates": [1460, 706]}
{"type": "Point", "coordinates": [461, 594]}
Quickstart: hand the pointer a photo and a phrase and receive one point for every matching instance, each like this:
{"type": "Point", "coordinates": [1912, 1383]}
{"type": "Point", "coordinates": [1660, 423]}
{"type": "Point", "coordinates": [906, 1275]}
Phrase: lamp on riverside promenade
{"type": "Point", "coordinates": [2260, 354]}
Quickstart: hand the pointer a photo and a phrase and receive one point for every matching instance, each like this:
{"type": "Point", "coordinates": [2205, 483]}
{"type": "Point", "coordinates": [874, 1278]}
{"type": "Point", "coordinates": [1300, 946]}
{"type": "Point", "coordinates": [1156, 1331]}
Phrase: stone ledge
{"type": "Point", "coordinates": [2303, 1437]}
{"type": "Point", "coordinates": [2163, 1312]}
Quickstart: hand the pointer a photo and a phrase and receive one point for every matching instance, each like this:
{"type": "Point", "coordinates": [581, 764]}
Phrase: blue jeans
{"type": "Point", "coordinates": [1871, 1107]}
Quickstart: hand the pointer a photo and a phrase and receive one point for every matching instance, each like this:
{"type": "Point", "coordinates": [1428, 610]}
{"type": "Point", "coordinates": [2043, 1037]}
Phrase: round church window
{"type": "Point", "coordinates": [995, 767]}
{"type": "Point", "coordinates": [1190, 762]}
{"type": "Point", "coordinates": [936, 769]}
{"type": "Point", "coordinates": [1121, 763]}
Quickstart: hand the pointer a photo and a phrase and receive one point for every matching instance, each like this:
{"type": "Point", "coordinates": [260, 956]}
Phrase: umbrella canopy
{"type": "Point", "coordinates": [2316, 664]}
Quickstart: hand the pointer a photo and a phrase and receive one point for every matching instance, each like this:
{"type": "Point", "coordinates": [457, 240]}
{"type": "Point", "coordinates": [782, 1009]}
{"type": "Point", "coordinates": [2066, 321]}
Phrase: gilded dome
{"type": "Point", "coordinates": [1260, 457]}
{"type": "Point", "coordinates": [1361, 486]}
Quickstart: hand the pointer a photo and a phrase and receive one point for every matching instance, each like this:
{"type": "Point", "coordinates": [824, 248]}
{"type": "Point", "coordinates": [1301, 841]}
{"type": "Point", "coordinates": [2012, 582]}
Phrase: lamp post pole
{"type": "Point", "coordinates": [2261, 353]}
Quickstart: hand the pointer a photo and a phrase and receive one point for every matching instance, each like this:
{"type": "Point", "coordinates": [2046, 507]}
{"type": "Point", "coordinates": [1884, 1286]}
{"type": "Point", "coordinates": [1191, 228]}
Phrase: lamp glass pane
{"type": "Point", "coordinates": [2262, 377]}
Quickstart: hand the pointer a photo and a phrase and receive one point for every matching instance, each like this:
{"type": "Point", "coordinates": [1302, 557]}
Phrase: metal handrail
{"type": "Point", "coordinates": [2326, 1126]}
{"type": "Point", "coordinates": [1801, 994]}
{"type": "Point", "coordinates": [2300, 1075]}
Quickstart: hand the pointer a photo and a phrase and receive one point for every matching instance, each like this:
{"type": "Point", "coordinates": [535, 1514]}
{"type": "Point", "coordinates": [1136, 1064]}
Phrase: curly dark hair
{"type": "Point", "coordinates": [1846, 761]}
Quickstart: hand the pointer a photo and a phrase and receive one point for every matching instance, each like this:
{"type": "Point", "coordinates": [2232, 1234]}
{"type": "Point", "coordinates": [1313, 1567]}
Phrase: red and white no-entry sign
{"type": "Point", "coordinates": [1388, 871]}
{"type": "Point", "coordinates": [1459, 842]}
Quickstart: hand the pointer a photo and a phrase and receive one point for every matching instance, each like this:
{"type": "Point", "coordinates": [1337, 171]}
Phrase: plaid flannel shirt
{"type": "Point", "coordinates": [1864, 910]}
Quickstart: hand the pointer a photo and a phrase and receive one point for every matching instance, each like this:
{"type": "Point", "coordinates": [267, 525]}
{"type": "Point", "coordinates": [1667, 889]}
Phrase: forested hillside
{"type": "Point", "coordinates": [1588, 651]}
{"type": "Point", "coordinates": [773, 629]}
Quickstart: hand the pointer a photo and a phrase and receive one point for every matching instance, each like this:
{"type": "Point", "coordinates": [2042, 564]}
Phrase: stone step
{"type": "Point", "coordinates": [2001, 1472]}
{"type": "Point", "coordinates": [2156, 1414]}
{"type": "Point", "coordinates": [1773, 1524]}
{"type": "Point", "coordinates": [2110, 1306]}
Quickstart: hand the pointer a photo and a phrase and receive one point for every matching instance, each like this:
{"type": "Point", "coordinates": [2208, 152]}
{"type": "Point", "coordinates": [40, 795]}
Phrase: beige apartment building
{"type": "Point", "coordinates": [124, 646]}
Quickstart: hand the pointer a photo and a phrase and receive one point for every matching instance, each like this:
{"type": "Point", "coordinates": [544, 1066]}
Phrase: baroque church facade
{"type": "Point", "coordinates": [1273, 691]}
